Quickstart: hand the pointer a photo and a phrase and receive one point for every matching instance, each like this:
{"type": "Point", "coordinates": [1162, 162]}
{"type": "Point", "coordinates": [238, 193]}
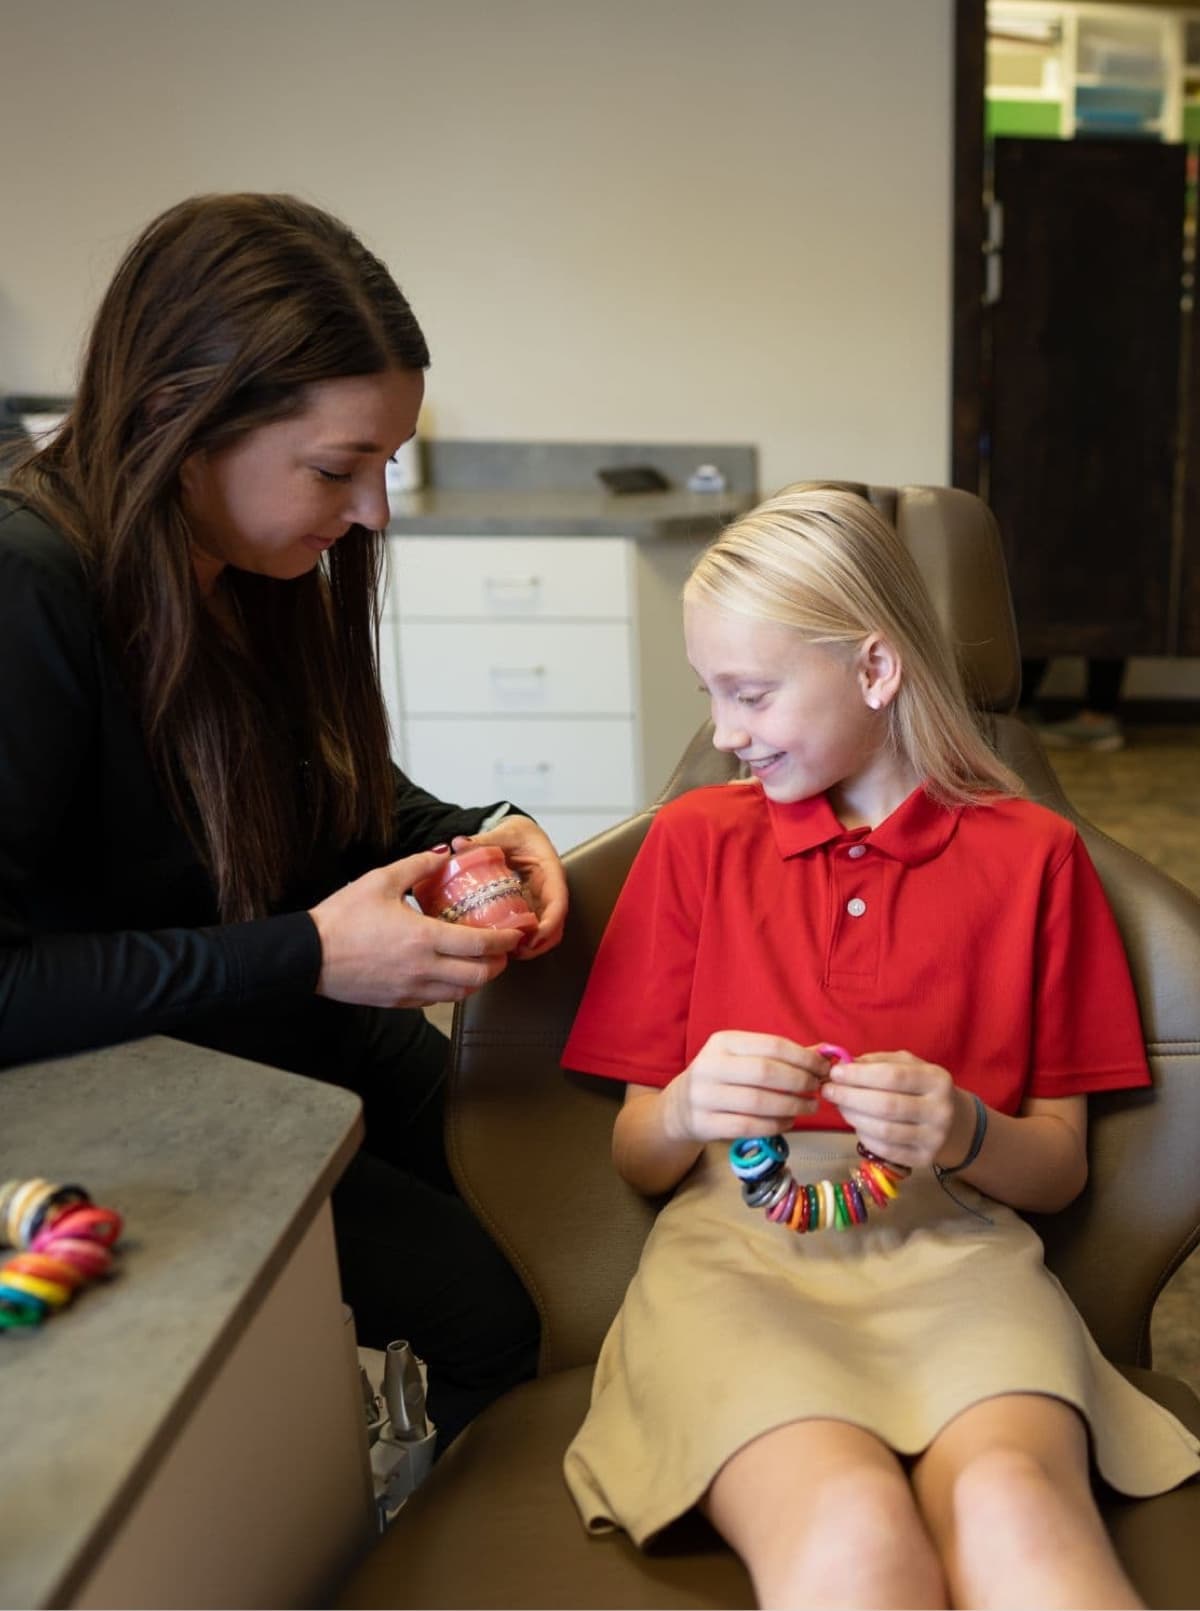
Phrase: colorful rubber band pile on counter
{"type": "Point", "coordinates": [63, 1241]}
{"type": "Point", "coordinates": [760, 1163]}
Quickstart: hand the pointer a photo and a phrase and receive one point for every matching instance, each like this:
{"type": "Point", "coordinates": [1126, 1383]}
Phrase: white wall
{"type": "Point", "coordinates": [617, 219]}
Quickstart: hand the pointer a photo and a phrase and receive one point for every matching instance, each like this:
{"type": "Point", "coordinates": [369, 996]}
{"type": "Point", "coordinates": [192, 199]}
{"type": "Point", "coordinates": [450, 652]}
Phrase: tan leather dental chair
{"type": "Point", "coordinates": [493, 1526]}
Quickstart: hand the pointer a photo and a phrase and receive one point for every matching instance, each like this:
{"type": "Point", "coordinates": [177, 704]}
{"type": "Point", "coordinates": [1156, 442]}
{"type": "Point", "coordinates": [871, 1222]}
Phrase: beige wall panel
{"type": "Point", "coordinates": [637, 219]}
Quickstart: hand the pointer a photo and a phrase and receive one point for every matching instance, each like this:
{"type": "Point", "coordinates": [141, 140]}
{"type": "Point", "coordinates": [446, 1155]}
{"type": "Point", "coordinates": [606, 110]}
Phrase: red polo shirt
{"type": "Point", "coordinates": [975, 937]}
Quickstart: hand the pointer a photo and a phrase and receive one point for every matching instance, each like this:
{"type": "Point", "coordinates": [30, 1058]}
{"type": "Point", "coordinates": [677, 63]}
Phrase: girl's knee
{"type": "Point", "coordinates": [861, 1504]}
{"type": "Point", "coordinates": [1005, 1491]}
{"type": "Point", "coordinates": [1027, 1531]}
{"type": "Point", "coordinates": [862, 1539]}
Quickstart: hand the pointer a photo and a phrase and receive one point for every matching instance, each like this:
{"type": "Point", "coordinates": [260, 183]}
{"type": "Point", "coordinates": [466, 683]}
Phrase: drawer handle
{"type": "Point", "coordinates": [521, 769]}
{"type": "Point", "coordinates": [518, 687]}
{"type": "Point", "coordinates": [528, 782]}
{"type": "Point", "coordinates": [511, 592]}
{"type": "Point", "coordinates": [517, 673]}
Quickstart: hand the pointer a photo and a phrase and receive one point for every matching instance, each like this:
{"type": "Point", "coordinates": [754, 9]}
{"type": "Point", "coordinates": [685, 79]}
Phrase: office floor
{"type": "Point", "coordinates": [1145, 796]}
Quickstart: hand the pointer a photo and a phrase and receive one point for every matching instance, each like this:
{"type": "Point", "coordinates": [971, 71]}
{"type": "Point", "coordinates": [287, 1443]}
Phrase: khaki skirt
{"type": "Point", "coordinates": [732, 1326]}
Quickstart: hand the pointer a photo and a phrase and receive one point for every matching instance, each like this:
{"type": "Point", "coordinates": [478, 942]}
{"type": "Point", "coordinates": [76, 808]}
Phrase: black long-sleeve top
{"type": "Point", "coordinates": [109, 926]}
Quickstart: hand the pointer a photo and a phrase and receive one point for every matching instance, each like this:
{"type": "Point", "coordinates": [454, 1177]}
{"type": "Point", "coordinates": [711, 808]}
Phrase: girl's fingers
{"type": "Point", "coordinates": [759, 1103]}
{"type": "Point", "coordinates": [746, 1084]}
{"type": "Point", "coordinates": [736, 1126]}
{"type": "Point", "coordinates": [865, 1103]}
{"type": "Point", "coordinates": [738, 1111]}
{"type": "Point", "coordinates": [879, 1072]}
{"type": "Point", "coordinates": [767, 1073]}
{"type": "Point", "coordinates": [745, 1048]}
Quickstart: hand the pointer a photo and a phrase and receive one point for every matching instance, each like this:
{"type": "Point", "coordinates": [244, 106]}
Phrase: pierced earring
{"type": "Point", "coordinates": [873, 703]}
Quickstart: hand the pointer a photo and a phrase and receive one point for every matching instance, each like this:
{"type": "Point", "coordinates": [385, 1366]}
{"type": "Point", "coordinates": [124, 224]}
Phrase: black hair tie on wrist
{"type": "Point", "coordinates": [981, 1124]}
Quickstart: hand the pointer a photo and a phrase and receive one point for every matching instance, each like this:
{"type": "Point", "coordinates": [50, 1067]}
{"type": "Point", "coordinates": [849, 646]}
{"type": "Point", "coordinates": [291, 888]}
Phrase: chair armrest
{"type": "Point", "coordinates": [519, 1128]}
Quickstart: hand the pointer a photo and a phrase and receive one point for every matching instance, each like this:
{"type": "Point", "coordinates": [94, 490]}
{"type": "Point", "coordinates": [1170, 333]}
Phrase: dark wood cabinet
{"type": "Point", "coordinates": [1083, 404]}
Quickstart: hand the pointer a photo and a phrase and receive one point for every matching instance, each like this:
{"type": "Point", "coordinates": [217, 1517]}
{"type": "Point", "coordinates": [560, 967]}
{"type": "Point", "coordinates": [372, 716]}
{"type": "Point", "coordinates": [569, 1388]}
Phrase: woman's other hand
{"type": "Point", "coordinates": [378, 951]}
{"type": "Point", "coordinates": [902, 1108]}
{"type": "Point", "coordinates": [742, 1083]}
{"type": "Point", "coordinates": [531, 855]}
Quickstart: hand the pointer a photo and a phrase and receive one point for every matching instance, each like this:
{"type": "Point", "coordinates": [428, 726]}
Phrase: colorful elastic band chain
{"type": "Point", "coordinates": [64, 1242]}
{"type": "Point", "coordinates": [760, 1163]}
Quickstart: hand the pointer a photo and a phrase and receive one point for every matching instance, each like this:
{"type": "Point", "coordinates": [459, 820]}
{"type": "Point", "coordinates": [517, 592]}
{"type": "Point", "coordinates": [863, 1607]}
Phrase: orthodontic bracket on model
{"type": "Point", "coordinates": [507, 888]}
{"type": "Point", "coordinates": [760, 1163]}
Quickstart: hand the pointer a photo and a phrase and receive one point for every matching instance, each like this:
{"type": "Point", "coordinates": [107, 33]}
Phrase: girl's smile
{"type": "Point", "coordinates": [762, 766]}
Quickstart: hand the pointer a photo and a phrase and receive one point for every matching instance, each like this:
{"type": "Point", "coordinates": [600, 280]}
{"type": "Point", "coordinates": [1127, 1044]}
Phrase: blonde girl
{"type": "Point", "coordinates": [872, 941]}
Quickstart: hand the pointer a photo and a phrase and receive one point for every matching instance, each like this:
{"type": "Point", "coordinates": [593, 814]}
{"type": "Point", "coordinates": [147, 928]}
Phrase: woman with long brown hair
{"type": "Point", "coordinates": [202, 832]}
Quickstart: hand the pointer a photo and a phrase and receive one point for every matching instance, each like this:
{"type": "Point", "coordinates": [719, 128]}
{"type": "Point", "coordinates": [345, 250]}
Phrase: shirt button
{"type": "Point", "coordinates": [856, 907]}
{"type": "Point", "coordinates": [856, 851]}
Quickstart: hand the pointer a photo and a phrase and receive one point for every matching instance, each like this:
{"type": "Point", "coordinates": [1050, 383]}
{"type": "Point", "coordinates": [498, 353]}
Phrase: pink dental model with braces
{"type": "Point", "coordinates": [477, 887]}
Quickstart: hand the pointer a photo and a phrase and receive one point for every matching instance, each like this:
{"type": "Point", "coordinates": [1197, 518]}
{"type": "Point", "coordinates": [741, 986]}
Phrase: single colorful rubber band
{"type": "Point", "coordinates": [883, 1179]}
{"type": "Point", "coordinates": [47, 1268]}
{"type": "Point", "coordinates": [49, 1208]}
{"type": "Point", "coordinates": [50, 1292]}
{"type": "Point", "coordinates": [14, 1318]}
{"type": "Point", "coordinates": [89, 1258]}
{"type": "Point", "coordinates": [27, 1192]}
{"type": "Point", "coordinates": [101, 1225]}
{"type": "Point", "coordinates": [26, 1302]}
{"type": "Point", "coordinates": [20, 1315]}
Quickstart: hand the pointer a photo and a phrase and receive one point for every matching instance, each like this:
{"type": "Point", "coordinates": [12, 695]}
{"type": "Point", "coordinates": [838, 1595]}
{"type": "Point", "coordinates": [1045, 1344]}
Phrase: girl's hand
{"type": "Point", "coordinates": [377, 951]}
{"type": "Point", "coordinates": [902, 1108]}
{"type": "Point", "coordinates": [742, 1083]}
{"type": "Point", "coordinates": [530, 853]}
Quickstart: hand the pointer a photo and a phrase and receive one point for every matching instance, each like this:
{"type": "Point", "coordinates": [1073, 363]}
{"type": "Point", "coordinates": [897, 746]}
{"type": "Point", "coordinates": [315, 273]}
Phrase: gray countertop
{"type": "Point", "coordinates": [218, 1167]}
{"type": "Point", "coordinates": [524, 512]}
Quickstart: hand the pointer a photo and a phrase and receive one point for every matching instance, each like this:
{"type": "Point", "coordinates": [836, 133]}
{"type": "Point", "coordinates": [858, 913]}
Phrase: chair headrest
{"type": "Point", "coordinates": [955, 541]}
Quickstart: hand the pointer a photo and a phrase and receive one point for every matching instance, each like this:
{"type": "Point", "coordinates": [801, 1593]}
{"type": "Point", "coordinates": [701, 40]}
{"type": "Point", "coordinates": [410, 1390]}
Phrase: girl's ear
{"type": "Point", "coordinates": [879, 672]}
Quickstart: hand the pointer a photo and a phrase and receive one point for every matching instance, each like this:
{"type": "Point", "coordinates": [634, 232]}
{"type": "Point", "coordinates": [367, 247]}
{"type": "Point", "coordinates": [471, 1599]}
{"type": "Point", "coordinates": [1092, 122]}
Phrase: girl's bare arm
{"type": "Point", "coordinates": [913, 1113]}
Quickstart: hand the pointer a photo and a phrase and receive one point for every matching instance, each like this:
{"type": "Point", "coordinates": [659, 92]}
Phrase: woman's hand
{"type": "Point", "coordinates": [742, 1083]}
{"type": "Point", "coordinates": [903, 1109]}
{"type": "Point", "coordinates": [377, 951]}
{"type": "Point", "coordinates": [530, 853]}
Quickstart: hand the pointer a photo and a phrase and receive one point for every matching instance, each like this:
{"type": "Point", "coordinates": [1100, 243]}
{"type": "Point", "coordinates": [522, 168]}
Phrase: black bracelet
{"type": "Point", "coordinates": [981, 1124]}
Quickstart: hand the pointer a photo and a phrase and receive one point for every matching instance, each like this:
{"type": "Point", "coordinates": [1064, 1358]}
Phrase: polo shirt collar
{"type": "Point", "coordinates": [917, 830]}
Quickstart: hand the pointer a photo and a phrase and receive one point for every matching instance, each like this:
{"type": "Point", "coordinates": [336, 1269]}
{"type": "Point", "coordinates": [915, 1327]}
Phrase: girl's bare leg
{"type": "Point", "coordinates": [823, 1515]}
{"type": "Point", "coordinates": [1004, 1489]}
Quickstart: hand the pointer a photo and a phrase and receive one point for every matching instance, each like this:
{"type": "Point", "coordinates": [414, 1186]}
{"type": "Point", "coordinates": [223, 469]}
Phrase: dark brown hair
{"type": "Point", "coordinates": [221, 314]}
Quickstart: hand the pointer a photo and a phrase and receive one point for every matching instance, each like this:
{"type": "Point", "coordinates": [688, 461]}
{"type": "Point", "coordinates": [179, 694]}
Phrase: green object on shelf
{"type": "Point", "coordinates": [1023, 118]}
{"type": "Point", "coordinates": [1191, 122]}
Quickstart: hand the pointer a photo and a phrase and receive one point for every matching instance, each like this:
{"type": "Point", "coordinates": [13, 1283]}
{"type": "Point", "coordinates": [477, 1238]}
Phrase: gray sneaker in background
{"type": "Point", "coordinates": [1087, 731]}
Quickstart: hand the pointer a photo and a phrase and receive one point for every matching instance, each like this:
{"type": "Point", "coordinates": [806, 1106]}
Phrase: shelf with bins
{"type": "Point", "coordinates": [1062, 68]}
{"type": "Point", "coordinates": [546, 670]}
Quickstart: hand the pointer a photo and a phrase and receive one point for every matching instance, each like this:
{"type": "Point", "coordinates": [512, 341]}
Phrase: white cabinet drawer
{"type": "Point", "coordinates": [546, 667]}
{"type": "Point", "coordinates": [510, 578]}
{"type": "Point", "coordinates": [536, 763]}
